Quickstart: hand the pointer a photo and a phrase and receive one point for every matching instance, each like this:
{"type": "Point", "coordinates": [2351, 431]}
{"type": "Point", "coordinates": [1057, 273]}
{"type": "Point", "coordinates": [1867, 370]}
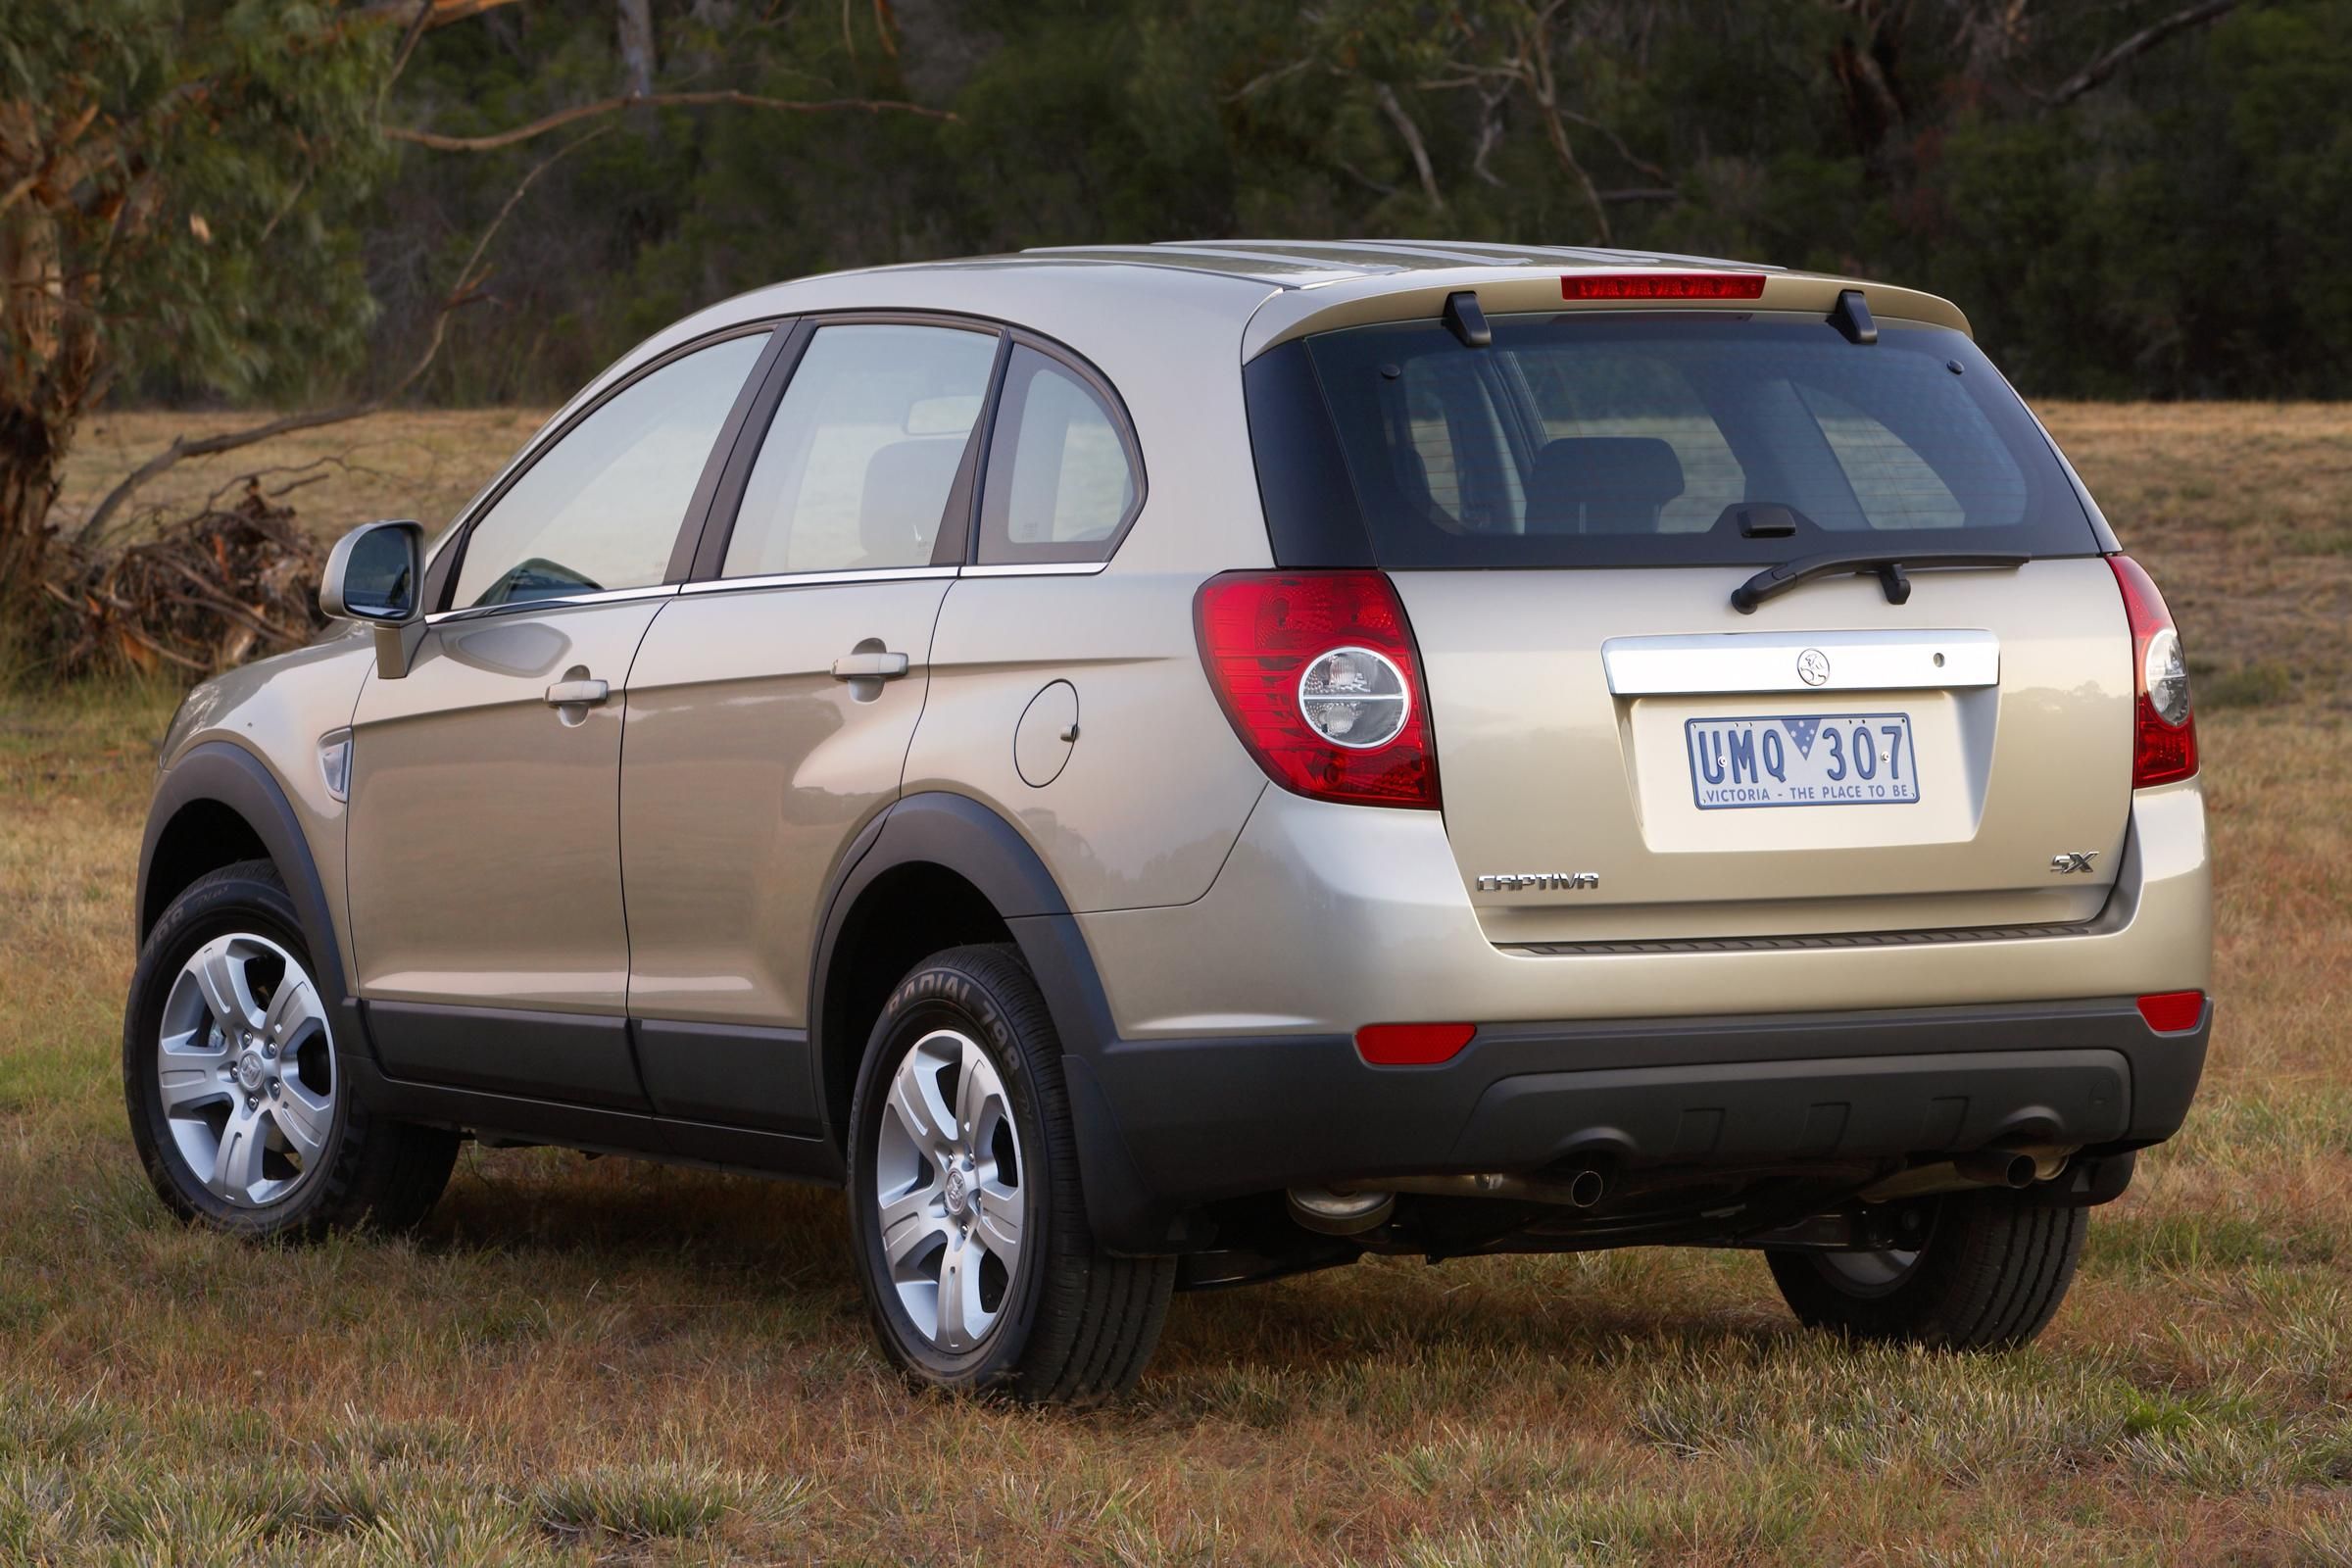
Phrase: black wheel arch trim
{"type": "Point", "coordinates": [225, 774]}
{"type": "Point", "coordinates": [963, 834]}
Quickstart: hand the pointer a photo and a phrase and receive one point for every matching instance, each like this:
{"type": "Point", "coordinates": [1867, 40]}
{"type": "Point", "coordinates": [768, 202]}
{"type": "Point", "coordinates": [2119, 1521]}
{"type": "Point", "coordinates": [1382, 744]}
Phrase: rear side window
{"type": "Point", "coordinates": [1651, 439]}
{"type": "Point", "coordinates": [1062, 483]}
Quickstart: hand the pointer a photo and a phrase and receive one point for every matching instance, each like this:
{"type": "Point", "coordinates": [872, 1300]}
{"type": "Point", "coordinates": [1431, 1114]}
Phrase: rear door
{"type": "Point", "coordinates": [1623, 753]}
{"type": "Point", "coordinates": [774, 702]}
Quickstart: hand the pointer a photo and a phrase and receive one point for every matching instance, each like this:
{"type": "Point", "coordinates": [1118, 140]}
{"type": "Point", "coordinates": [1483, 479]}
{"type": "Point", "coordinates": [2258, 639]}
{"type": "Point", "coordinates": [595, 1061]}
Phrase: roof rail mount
{"type": "Point", "coordinates": [1852, 317]}
{"type": "Point", "coordinates": [1467, 321]}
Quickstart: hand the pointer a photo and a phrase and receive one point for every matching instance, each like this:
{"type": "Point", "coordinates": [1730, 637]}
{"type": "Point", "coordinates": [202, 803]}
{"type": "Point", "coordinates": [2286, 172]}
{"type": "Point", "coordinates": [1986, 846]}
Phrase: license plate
{"type": "Point", "coordinates": [1817, 759]}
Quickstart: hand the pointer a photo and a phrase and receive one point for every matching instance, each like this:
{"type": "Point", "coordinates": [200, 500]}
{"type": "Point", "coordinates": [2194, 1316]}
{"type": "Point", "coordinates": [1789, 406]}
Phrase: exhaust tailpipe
{"type": "Point", "coordinates": [1331, 1213]}
{"type": "Point", "coordinates": [1350, 1211]}
{"type": "Point", "coordinates": [1580, 1188]}
{"type": "Point", "coordinates": [2003, 1168]}
{"type": "Point", "coordinates": [2012, 1168]}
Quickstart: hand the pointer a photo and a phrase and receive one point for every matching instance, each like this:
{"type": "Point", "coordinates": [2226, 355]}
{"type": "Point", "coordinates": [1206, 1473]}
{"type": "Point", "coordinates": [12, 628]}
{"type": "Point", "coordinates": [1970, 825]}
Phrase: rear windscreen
{"type": "Point", "coordinates": [1688, 439]}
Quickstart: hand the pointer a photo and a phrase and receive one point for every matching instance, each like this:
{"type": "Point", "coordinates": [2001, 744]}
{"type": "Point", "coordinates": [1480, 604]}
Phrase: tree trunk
{"type": "Point", "coordinates": [29, 457]}
{"type": "Point", "coordinates": [637, 47]}
{"type": "Point", "coordinates": [48, 361]}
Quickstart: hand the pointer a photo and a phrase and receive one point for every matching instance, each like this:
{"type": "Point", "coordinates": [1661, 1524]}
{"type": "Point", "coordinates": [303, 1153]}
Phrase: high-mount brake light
{"type": "Point", "coordinates": [1317, 671]}
{"type": "Point", "coordinates": [2163, 722]}
{"type": "Point", "coordinates": [1662, 286]}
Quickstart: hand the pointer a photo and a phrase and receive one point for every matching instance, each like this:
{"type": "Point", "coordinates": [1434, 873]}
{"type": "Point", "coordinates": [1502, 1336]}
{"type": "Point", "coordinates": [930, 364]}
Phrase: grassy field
{"type": "Point", "coordinates": [597, 1361]}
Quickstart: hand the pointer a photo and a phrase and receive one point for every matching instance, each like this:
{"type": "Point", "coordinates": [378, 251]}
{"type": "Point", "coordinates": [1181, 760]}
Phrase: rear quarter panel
{"type": "Point", "coordinates": [1156, 788]}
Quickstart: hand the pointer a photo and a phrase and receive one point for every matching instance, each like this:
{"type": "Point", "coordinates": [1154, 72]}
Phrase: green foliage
{"type": "Point", "coordinates": [211, 231]}
{"type": "Point", "coordinates": [2175, 231]}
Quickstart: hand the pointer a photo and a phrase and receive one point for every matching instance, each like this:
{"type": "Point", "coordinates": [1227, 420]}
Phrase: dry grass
{"type": "Point", "coordinates": [600, 1362]}
{"type": "Point", "coordinates": [424, 464]}
{"type": "Point", "coordinates": [2243, 511]}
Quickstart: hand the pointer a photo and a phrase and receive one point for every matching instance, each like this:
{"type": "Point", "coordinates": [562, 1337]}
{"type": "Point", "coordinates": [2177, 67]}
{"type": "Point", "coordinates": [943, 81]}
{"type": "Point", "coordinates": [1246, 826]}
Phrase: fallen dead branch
{"type": "Point", "coordinates": [232, 582]}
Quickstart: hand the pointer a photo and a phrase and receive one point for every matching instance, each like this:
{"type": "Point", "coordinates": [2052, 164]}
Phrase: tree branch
{"type": "Point", "coordinates": [2132, 48]}
{"type": "Point", "coordinates": [1618, 142]}
{"type": "Point", "coordinates": [426, 15]}
{"type": "Point", "coordinates": [464, 292]}
{"type": "Point", "coordinates": [1535, 64]}
{"type": "Point", "coordinates": [1490, 132]}
{"type": "Point", "coordinates": [1386, 96]}
{"type": "Point", "coordinates": [658, 100]}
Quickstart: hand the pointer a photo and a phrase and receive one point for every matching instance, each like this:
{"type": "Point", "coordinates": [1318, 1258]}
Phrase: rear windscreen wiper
{"type": "Point", "coordinates": [1886, 565]}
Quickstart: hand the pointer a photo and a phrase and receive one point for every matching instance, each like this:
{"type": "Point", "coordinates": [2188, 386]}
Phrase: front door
{"type": "Point", "coordinates": [484, 853]}
{"type": "Point", "coordinates": [771, 707]}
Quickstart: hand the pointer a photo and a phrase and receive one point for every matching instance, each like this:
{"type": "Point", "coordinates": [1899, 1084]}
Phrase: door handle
{"type": "Point", "coordinates": [577, 694]}
{"type": "Point", "coordinates": [870, 666]}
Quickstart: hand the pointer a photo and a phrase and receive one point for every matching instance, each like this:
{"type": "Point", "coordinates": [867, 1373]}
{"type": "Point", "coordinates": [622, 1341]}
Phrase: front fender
{"type": "Point", "coordinates": [223, 773]}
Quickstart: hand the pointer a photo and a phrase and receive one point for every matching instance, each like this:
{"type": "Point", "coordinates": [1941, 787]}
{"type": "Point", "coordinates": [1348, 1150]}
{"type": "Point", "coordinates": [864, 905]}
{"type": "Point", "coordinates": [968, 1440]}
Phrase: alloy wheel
{"type": "Point", "coordinates": [947, 1179]}
{"type": "Point", "coordinates": [1869, 1274]}
{"type": "Point", "coordinates": [245, 1067]}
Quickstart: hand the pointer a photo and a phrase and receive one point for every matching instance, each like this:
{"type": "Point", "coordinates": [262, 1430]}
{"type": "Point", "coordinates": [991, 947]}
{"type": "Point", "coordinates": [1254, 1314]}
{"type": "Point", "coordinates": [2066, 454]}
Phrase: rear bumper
{"type": "Point", "coordinates": [1170, 1125]}
{"type": "Point", "coordinates": [1328, 917]}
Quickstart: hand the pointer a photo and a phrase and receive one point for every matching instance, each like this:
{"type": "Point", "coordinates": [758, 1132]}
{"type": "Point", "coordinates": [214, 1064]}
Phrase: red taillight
{"type": "Point", "coordinates": [2164, 726]}
{"type": "Point", "coordinates": [1662, 286]}
{"type": "Point", "coordinates": [1412, 1045]}
{"type": "Point", "coordinates": [1272, 642]}
{"type": "Point", "coordinates": [2168, 1013]}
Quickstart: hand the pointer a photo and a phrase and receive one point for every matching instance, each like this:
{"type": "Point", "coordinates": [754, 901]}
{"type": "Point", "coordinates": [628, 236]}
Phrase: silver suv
{"type": "Point", "coordinates": [1165, 766]}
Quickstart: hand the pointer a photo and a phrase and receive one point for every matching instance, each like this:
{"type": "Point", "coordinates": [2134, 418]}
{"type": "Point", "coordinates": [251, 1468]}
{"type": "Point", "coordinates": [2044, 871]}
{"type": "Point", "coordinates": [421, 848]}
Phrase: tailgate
{"type": "Point", "coordinates": [1623, 757]}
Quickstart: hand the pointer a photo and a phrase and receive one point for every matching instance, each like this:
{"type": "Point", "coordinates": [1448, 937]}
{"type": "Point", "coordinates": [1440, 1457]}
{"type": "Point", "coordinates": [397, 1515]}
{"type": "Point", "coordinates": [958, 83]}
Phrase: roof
{"type": "Point", "coordinates": [1314, 262]}
{"type": "Point", "coordinates": [1135, 304]}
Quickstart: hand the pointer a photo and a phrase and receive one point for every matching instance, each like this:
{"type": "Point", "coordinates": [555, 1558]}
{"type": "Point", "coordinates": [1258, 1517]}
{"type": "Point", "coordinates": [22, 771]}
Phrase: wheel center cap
{"type": "Point", "coordinates": [250, 1071]}
{"type": "Point", "coordinates": [958, 1191]}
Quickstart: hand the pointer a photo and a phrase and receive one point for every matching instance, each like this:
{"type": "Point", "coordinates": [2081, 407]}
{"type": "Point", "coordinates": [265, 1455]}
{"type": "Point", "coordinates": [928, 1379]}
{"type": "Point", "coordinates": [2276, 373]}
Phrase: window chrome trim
{"type": "Point", "coordinates": [816, 579]}
{"type": "Point", "coordinates": [1037, 569]}
{"type": "Point", "coordinates": [608, 596]}
{"type": "Point", "coordinates": [1714, 662]}
{"type": "Point", "coordinates": [821, 579]}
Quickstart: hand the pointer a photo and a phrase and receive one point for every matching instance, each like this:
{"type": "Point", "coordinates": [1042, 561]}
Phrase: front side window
{"type": "Point", "coordinates": [859, 463]}
{"type": "Point", "coordinates": [601, 509]}
{"type": "Point", "coordinates": [1062, 483]}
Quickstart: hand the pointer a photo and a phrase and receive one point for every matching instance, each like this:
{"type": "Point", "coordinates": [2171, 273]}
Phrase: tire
{"type": "Point", "coordinates": [1989, 1277]}
{"type": "Point", "coordinates": [1054, 1319]}
{"type": "Point", "coordinates": [306, 1158]}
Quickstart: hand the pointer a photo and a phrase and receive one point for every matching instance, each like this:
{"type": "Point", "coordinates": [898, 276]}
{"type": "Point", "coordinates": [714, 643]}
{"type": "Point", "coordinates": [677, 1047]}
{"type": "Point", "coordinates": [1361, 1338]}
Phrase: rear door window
{"type": "Point", "coordinates": [1646, 439]}
{"type": "Point", "coordinates": [855, 469]}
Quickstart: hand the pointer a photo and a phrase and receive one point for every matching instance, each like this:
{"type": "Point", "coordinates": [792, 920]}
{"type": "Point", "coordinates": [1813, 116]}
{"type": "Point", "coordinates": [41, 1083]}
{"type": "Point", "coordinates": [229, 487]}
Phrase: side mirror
{"type": "Point", "coordinates": [376, 575]}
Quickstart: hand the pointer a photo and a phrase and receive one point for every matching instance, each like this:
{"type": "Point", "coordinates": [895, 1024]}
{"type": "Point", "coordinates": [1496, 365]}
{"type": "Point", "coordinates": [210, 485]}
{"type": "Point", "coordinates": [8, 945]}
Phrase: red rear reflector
{"type": "Point", "coordinates": [1662, 286]}
{"type": "Point", "coordinates": [2170, 1011]}
{"type": "Point", "coordinates": [1412, 1045]}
